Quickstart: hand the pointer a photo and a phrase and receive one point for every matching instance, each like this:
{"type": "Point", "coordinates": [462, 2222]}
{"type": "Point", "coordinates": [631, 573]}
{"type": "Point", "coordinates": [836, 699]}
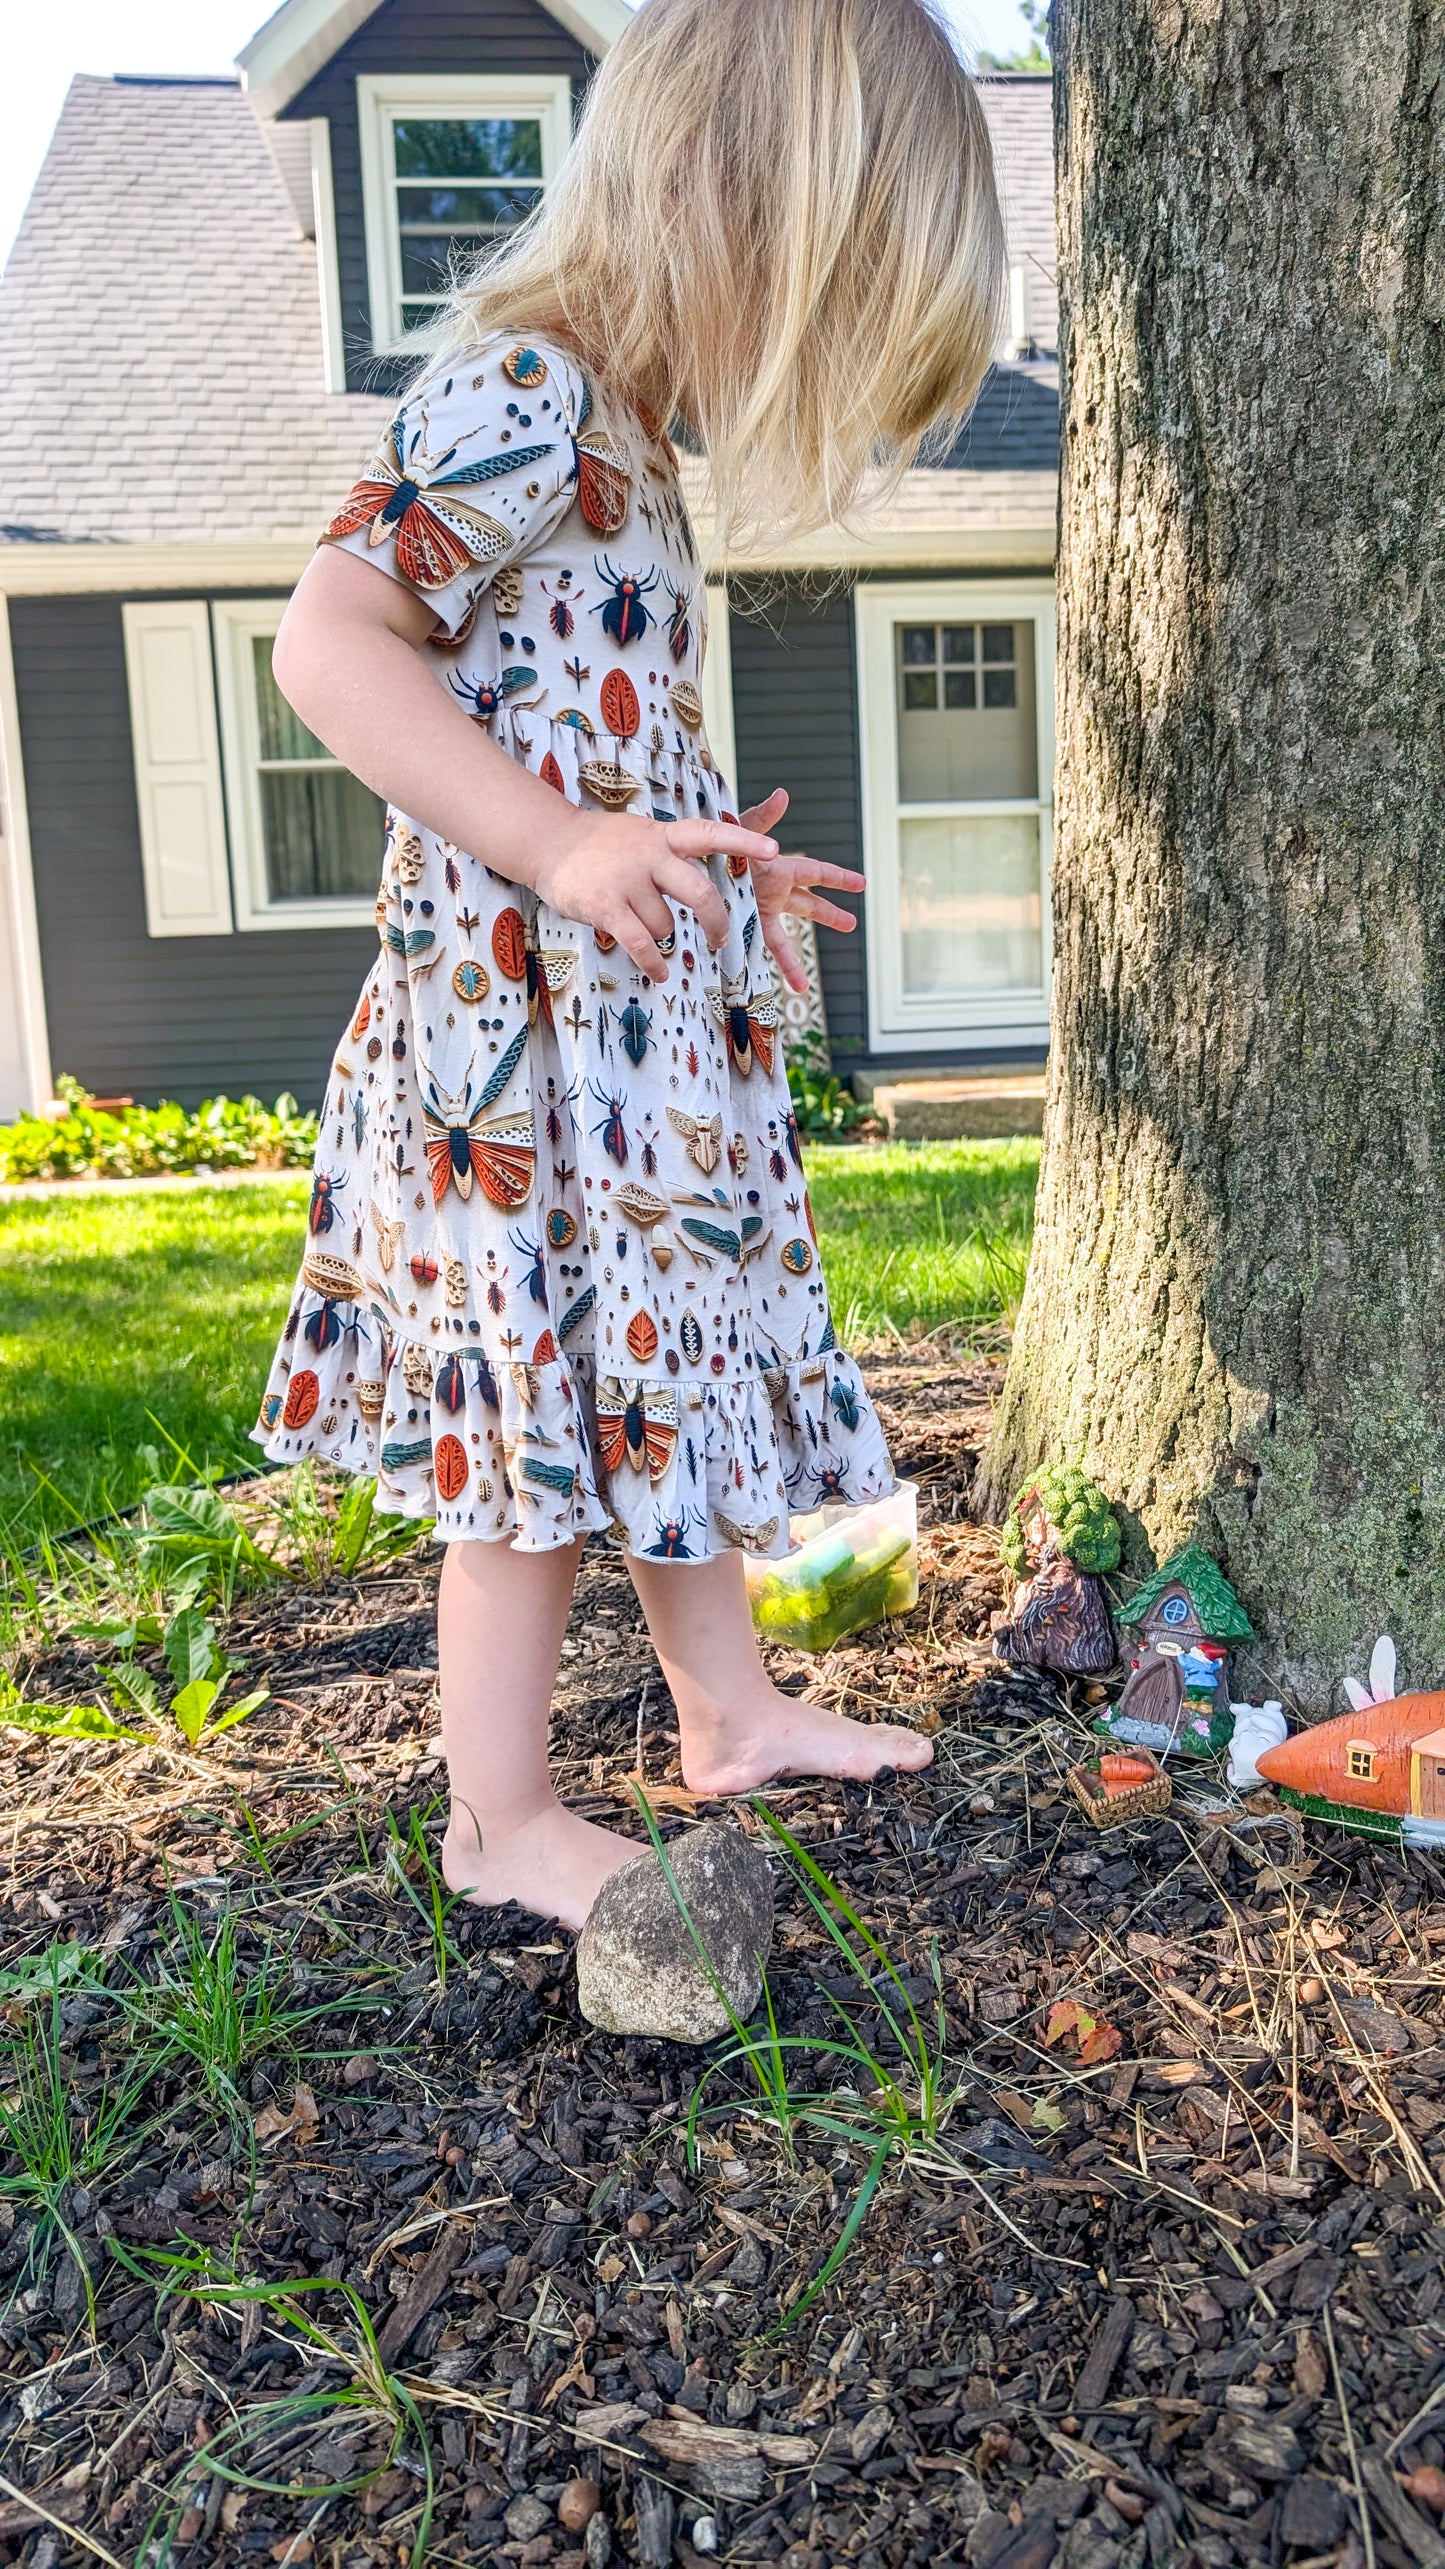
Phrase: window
{"type": "Point", "coordinates": [305, 834]}
{"type": "Point", "coordinates": [956, 684]}
{"type": "Point", "coordinates": [448, 163]}
{"type": "Point", "coordinates": [1360, 1762]}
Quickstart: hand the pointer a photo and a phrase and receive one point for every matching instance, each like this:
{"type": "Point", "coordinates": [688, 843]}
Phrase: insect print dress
{"type": "Point", "coordinates": [561, 1270]}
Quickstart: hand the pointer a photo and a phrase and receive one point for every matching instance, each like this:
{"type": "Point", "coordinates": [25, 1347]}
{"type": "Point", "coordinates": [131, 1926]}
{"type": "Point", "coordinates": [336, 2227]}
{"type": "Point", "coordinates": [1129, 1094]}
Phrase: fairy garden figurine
{"type": "Point", "coordinates": [1379, 1768]}
{"type": "Point", "coordinates": [1061, 1533]}
{"type": "Point", "coordinates": [1180, 1626]}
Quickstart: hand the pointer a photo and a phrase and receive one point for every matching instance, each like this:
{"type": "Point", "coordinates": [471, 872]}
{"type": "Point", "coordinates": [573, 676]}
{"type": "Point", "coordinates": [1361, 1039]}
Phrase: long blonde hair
{"type": "Point", "coordinates": [777, 221]}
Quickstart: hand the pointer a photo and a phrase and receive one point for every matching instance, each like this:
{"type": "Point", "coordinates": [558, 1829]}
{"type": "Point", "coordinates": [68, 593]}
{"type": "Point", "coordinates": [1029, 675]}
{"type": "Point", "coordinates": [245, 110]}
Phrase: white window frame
{"type": "Point", "coordinates": [236, 623]}
{"type": "Point", "coordinates": [982, 1020]}
{"type": "Point", "coordinates": [380, 99]}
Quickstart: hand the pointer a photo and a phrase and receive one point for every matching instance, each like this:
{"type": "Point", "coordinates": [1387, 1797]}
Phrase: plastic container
{"type": "Point", "coordinates": [849, 1567]}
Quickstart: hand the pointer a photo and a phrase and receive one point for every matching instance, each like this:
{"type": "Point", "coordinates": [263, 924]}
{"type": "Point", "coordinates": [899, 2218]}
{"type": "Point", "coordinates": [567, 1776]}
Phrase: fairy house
{"type": "Point", "coordinates": [1179, 1627]}
{"type": "Point", "coordinates": [1379, 1768]}
{"type": "Point", "coordinates": [204, 321]}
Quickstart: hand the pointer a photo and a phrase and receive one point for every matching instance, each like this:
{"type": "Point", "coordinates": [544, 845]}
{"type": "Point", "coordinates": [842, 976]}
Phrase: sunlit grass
{"type": "Point", "coordinates": [117, 1310]}
{"type": "Point", "coordinates": [917, 1236]}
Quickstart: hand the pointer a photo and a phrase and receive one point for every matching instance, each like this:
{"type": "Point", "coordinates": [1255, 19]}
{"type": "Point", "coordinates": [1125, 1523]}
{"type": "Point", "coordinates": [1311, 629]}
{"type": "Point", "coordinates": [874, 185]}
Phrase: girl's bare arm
{"type": "Point", "coordinates": [347, 657]}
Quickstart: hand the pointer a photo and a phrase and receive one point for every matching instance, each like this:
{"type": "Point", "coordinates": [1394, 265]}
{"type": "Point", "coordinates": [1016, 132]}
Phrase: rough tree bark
{"type": "Point", "coordinates": [1234, 1315]}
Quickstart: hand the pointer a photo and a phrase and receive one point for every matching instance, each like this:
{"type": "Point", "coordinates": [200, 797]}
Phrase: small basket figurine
{"type": "Point", "coordinates": [1124, 1784]}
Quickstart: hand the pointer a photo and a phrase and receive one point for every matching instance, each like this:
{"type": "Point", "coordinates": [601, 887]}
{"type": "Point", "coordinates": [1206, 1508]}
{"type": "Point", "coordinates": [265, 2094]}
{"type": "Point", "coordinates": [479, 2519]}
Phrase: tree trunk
{"type": "Point", "coordinates": [1234, 1313]}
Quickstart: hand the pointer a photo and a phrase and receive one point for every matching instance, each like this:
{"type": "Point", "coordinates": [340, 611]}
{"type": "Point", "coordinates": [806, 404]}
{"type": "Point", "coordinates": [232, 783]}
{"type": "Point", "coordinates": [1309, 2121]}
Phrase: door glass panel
{"type": "Point", "coordinates": [971, 914]}
{"type": "Point", "coordinates": [967, 730]}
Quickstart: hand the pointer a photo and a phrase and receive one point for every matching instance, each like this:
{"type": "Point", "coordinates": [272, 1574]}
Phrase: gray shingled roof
{"type": "Point", "coordinates": [160, 325]}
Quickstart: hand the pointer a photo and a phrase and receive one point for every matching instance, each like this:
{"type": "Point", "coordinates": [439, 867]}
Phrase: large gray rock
{"type": "Point", "coordinates": [638, 1969]}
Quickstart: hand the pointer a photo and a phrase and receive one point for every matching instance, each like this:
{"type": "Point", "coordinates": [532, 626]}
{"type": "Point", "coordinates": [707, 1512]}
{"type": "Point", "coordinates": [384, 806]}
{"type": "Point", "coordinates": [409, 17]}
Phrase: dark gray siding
{"type": "Point", "coordinates": [795, 707]}
{"type": "Point", "coordinates": [133, 1015]}
{"type": "Point", "coordinates": [416, 36]}
{"type": "Point", "coordinates": [795, 711]}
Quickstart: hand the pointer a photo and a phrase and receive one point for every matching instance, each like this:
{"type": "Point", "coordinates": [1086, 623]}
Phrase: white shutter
{"type": "Point", "coordinates": [177, 768]}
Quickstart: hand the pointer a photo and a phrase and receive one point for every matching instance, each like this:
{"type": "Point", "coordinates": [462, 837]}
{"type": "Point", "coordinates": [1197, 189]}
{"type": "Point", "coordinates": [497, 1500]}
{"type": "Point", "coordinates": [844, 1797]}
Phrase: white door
{"type": "Point", "coordinates": [956, 684]}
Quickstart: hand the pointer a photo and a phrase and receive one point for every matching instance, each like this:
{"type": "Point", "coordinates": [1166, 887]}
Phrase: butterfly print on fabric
{"type": "Point", "coordinates": [415, 497]}
{"type": "Point", "coordinates": [637, 1426]}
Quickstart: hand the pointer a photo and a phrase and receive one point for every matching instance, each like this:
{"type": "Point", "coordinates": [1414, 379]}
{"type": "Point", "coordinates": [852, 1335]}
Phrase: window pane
{"type": "Point", "coordinates": [323, 834]}
{"type": "Point", "coordinates": [970, 906]}
{"type": "Point", "coordinates": [960, 750]}
{"type": "Point", "coordinates": [467, 147]}
{"type": "Point", "coordinates": [958, 642]}
{"type": "Point", "coordinates": [458, 209]}
{"type": "Point", "coordinates": [920, 645]}
{"type": "Point", "coordinates": [998, 642]}
{"type": "Point", "coordinates": [282, 733]}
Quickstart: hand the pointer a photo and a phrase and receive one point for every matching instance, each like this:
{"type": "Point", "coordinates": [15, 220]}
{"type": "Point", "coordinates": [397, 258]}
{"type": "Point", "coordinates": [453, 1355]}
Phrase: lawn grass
{"type": "Point", "coordinates": [118, 1311]}
{"type": "Point", "coordinates": [916, 1236]}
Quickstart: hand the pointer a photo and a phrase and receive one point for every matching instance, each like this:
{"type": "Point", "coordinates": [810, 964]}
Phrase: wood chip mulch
{"type": "Point", "coordinates": [1182, 2304]}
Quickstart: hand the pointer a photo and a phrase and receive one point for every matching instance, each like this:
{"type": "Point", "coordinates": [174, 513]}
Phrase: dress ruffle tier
{"type": "Point", "coordinates": [536, 1455]}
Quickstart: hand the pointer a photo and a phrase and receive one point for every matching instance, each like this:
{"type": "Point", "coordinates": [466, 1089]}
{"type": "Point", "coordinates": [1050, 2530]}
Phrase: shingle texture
{"type": "Point", "coordinates": [1020, 111]}
{"type": "Point", "coordinates": [161, 327]}
{"type": "Point", "coordinates": [160, 322]}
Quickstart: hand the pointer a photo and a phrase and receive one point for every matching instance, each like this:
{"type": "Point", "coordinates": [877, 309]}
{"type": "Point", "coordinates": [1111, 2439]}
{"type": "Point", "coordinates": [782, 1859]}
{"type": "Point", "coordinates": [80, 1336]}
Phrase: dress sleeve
{"type": "Point", "coordinates": [475, 468]}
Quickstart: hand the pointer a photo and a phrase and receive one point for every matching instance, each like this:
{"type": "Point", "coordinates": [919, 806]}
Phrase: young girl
{"type": "Point", "coordinates": [561, 1272]}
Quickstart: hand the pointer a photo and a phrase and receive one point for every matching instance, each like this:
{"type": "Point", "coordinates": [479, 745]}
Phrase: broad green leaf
{"type": "Point", "coordinates": [132, 1689]}
{"type": "Point", "coordinates": [192, 1706]}
{"type": "Point", "coordinates": [238, 1712]}
{"type": "Point", "coordinates": [190, 1646]}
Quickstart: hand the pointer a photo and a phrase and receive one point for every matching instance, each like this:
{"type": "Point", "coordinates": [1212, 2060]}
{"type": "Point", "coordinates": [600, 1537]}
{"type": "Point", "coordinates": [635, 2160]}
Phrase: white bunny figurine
{"type": "Point", "coordinates": [1382, 1678]}
{"type": "Point", "coordinates": [1256, 1728]}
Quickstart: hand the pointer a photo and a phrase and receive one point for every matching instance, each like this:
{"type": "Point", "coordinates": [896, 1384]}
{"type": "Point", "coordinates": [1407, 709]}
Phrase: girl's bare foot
{"type": "Point", "coordinates": [552, 1862]}
{"type": "Point", "coordinates": [776, 1734]}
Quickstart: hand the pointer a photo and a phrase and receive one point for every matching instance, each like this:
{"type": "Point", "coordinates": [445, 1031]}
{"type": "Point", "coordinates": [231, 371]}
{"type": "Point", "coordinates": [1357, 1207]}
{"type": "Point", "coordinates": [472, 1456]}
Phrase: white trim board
{"type": "Point", "coordinates": [381, 97]}
{"type": "Point", "coordinates": [717, 683]}
{"type": "Point", "coordinates": [301, 37]}
{"type": "Point", "coordinates": [328, 259]}
{"type": "Point", "coordinates": [26, 1082]}
{"type": "Point", "coordinates": [963, 1021]}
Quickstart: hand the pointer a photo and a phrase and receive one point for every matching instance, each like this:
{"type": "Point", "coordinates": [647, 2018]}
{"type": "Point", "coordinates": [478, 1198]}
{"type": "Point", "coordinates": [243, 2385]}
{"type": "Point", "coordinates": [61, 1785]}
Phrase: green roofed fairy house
{"type": "Point", "coordinates": [1061, 1532]}
{"type": "Point", "coordinates": [1180, 1626]}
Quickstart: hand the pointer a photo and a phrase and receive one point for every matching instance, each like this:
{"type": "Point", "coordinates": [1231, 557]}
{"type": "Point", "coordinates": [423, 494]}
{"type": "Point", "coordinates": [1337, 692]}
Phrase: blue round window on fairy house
{"type": "Point", "coordinates": [1174, 1610]}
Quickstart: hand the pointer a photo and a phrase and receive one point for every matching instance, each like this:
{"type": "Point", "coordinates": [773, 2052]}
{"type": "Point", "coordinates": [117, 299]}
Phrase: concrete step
{"type": "Point", "coordinates": [959, 1106]}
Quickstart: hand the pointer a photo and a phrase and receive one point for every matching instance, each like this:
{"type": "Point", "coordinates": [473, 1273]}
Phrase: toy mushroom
{"type": "Point", "coordinates": [1182, 1621]}
{"type": "Point", "coordinates": [1059, 1535]}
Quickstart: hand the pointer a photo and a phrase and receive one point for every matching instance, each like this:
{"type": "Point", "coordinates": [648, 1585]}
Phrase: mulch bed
{"type": "Point", "coordinates": [1182, 2304]}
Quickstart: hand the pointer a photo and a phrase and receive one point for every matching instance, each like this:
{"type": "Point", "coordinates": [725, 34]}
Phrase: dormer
{"type": "Point", "coordinates": [434, 125]}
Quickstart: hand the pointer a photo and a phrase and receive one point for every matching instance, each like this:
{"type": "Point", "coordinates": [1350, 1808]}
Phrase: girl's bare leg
{"type": "Point", "coordinates": [737, 1728]}
{"type": "Point", "coordinates": [500, 1623]}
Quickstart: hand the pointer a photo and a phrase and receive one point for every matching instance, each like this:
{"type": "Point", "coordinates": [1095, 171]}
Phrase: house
{"type": "Point", "coordinates": [1379, 1768]}
{"type": "Point", "coordinates": [202, 324]}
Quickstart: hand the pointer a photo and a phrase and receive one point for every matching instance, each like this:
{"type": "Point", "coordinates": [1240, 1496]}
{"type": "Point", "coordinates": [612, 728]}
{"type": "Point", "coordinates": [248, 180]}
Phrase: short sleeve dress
{"type": "Point", "coordinates": [561, 1271]}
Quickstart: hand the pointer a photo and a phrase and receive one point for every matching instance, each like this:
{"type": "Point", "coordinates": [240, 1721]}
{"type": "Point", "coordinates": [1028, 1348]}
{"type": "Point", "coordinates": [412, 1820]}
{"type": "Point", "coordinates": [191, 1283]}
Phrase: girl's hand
{"type": "Point", "coordinates": [784, 884]}
{"type": "Point", "coordinates": [619, 874]}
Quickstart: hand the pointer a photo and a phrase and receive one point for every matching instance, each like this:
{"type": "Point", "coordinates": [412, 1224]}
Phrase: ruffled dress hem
{"type": "Point", "coordinates": [538, 1454]}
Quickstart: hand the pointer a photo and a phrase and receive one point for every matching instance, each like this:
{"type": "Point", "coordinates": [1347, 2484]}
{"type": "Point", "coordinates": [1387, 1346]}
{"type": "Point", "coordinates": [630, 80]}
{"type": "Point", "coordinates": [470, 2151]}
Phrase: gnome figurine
{"type": "Point", "coordinates": [1060, 1534]}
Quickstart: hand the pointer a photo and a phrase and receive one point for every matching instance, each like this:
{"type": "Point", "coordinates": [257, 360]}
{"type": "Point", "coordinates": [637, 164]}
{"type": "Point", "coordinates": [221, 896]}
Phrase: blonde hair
{"type": "Point", "coordinates": [778, 221]}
